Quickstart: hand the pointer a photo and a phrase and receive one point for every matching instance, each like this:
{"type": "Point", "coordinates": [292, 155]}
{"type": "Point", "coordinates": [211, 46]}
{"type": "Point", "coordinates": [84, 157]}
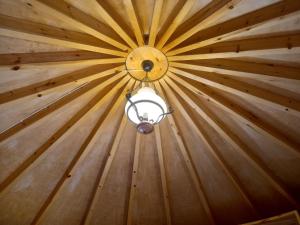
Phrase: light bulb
{"type": "Point", "coordinates": [150, 107]}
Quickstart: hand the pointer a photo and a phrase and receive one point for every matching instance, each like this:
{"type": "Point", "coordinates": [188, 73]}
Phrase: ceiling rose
{"type": "Point", "coordinates": [135, 59]}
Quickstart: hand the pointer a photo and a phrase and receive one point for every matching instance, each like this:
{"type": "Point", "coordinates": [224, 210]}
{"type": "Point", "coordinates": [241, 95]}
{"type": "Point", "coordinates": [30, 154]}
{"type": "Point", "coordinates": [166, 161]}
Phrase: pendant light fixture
{"type": "Point", "coordinates": [145, 107]}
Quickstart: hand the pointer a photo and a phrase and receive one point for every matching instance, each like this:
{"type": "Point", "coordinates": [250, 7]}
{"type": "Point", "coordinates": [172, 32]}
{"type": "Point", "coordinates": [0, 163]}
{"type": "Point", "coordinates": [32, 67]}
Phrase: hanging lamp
{"type": "Point", "coordinates": [145, 108]}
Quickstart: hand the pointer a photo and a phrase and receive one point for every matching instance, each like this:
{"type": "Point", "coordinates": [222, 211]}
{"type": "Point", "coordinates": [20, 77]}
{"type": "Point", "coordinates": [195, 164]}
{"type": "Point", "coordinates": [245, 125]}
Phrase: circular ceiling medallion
{"type": "Point", "coordinates": [135, 59]}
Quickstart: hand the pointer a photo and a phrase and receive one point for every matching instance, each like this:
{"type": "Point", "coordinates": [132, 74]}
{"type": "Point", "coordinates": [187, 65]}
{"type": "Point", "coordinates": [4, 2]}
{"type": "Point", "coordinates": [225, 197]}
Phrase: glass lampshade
{"type": "Point", "coordinates": [150, 107]}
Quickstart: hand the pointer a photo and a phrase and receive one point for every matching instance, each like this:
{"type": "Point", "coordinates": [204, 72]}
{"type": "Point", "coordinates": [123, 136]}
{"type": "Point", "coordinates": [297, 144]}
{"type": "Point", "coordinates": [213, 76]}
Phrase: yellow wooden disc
{"type": "Point", "coordinates": [137, 56]}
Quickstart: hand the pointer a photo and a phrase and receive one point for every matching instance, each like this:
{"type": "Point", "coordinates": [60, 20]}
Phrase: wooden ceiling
{"type": "Point", "coordinates": [230, 152]}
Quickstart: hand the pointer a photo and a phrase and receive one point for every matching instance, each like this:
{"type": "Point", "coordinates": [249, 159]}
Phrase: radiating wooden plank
{"type": "Point", "coordinates": [92, 72]}
{"type": "Point", "coordinates": [155, 22]}
{"type": "Point", "coordinates": [242, 89]}
{"type": "Point", "coordinates": [282, 44]}
{"type": "Point", "coordinates": [16, 61]}
{"type": "Point", "coordinates": [291, 218]}
{"type": "Point", "coordinates": [55, 105]}
{"type": "Point", "coordinates": [26, 163]}
{"type": "Point", "coordinates": [104, 173]}
{"type": "Point", "coordinates": [19, 28]}
{"type": "Point", "coordinates": [47, 57]}
{"type": "Point", "coordinates": [129, 7]}
{"type": "Point", "coordinates": [218, 32]}
{"type": "Point", "coordinates": [243, 115]}
{"type": "Point", "coordinates": [91, 106]}
{"type": "Point", "coordinates": [76, 18]}
{"type": "Point", "coordinates": [107, 16]}
{"type": "Point", "coordinates": [172, 9]}
{"type": "Point", "coordinates": [297, 215]}
{"type": "Point", "coordinates": [207, 141]}
{"type": "Point", "coordinates": [134, 178]}
{"type": "Point", "coordinates": [254, 70]}
{"type": "Point", "coordinates": [163, 177]}
{"type": "Point", "coordinates": [238, 145]}
{"type": "Point", "coordinates": [175, 23]}
{"type": "Point", "coordinates": [211, 12]}
{"type": "Point", "coordinates": [189, 163]}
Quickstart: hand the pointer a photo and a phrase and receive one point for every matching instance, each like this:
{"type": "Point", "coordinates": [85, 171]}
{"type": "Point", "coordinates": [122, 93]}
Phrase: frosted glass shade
{"type": "Point", "coordinates": [150, 107]}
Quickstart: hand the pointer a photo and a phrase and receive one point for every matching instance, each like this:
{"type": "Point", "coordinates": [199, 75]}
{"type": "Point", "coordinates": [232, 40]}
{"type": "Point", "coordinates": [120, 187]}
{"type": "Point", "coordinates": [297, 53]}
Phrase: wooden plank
{"type": "Point", "coordinates": [134, 21]}
{"type": "Point", "coordinates": [291, 218]}
{"type": "Point", "coordinates": [47, 57]}
{"type": "Point", "coordinates": [134, 178]}
{"type": "Point", "coordinates": [242, 89]}
{"type": "Point", "coordinates": [16, 61]}
{"type": "Point", "coordinates": [175, 23]}
{"type": "Point", "coordinates": [297, 215]}
{"type": "Point", "coordinates": [202, 134]}
{"type": "Point", "coordinates": [100, 183]}
{"type": "Point", "coordinates": [92, 73]}
{"type": "Point", "coordinates": [254, 70]}
{"type": "Point", "coordinates": [163, 177]}
{"type": "Point", "coordinates": [189, 163]}
{"type": "Point", "coordinates": [76, 18]}
{"type": "Point", "coordinates": [84, 147]}
{"type": "Point", "coordinates": [243, 115]}
{"type": "Point", "coordinates": [208, 14]}
{"type": "Point", "coordinates": [172, 9]}
{"type": "Point", "coordinates": [55, 105]}
{"type": "Point", "coordinates": [19, 28]}
{"type": "Point", "coordinates": [238, 144]}
{"type": "Point", "coordinates": [282, 44]}
{"type": "Point", "coordinates": [26, 163]}
{"type": "Point", "coordinates": [155, 22]}
{"type": "Point", "coordinates": [107, 16]}
{"type": "Point", "coordinates": [220, 31]}
{"type": "Point", "coordinates": [102, 175]}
